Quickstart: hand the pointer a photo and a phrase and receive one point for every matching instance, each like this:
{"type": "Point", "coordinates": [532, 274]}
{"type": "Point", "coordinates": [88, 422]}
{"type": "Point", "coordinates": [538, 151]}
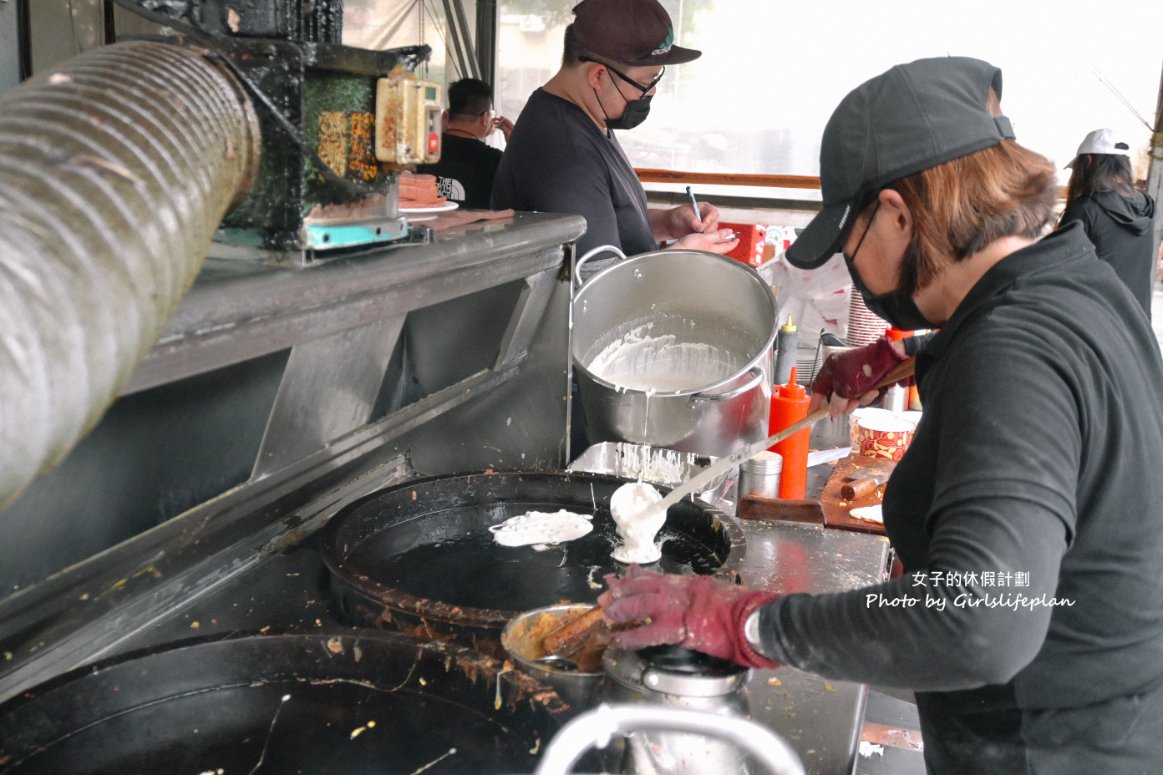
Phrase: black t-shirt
{"type": "Point", "coordinates": [1037, 467]}
{"type": "Point", "coordinates": [1120, 228]}
{"type": "Point", "coordinates": [465, 171]}
{"type": "Point", "coordinates": [558, 161]}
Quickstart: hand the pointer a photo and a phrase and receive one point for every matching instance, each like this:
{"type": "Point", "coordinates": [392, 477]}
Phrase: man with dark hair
{"type": "Point", "coordinates": [467, 166]}
{"type": "Point", "coordinates": [563, 156]}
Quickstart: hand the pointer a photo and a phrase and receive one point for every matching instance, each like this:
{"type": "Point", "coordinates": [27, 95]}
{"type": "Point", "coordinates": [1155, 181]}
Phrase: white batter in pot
{"type": "Point", "coordinates": [661, 364]}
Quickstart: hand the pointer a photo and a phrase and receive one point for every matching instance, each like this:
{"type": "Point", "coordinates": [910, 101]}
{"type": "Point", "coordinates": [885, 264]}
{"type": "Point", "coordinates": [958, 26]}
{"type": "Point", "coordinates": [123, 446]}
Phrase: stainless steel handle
{"type": "Point", "coordinates": [577, 265]}
{"type": "Point", "coordinates": [750, 384]}
{"type": "Point", "coordinates": [600, 725]}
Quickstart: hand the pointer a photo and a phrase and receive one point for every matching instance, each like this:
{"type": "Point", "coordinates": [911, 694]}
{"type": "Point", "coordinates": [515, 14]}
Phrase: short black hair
{"type": "Point", "coordinates": [469, 97]}
{"type": "Point", "coordinates": [573, 52]}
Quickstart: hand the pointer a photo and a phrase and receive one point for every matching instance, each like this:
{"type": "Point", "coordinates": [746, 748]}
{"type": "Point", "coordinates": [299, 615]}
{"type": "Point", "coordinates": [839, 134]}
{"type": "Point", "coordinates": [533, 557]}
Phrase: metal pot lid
{"type": "Point", "coordinates": [674, 670]}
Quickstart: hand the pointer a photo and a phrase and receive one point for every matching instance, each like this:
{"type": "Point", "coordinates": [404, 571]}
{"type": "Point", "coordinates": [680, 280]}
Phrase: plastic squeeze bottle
{"type": "Point", "coordinates": [785, 351]}
{"type": "Point", "coordinates": [789, 404]}
{"type": "Point", "coordinates": [913, 396]}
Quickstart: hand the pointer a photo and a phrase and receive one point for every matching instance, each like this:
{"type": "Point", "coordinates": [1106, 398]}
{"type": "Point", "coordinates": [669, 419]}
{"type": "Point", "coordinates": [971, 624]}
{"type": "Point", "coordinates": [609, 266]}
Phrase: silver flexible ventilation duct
{"type": "Point", "coordinates": [115, 170]}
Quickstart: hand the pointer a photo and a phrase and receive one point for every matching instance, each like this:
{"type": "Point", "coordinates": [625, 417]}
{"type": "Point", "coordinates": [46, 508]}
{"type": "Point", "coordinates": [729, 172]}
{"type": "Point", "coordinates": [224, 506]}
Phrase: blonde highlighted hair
{"type": "Point", "coordinates": [962, 205]}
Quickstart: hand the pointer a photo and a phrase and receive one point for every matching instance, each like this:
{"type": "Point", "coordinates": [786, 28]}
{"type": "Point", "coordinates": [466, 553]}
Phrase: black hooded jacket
{"type": "Point", "coordinates": [1120, 228]}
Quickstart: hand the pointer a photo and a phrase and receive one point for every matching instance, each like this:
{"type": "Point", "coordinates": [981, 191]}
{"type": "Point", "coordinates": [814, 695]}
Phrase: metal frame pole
{"type": "Point", "coordinates": [1155, 171]}
{"type": "Point", "coordinates": [454, 33]}
{"type": "Point", "coordinates": [487, 40]}
{"type": "Point", "coordinates": [469, 53]}
{"type": "Point", "coordinates": [24, 36]}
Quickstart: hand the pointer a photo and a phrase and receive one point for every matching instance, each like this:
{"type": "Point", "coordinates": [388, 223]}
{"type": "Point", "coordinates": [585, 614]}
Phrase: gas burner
{"type": "Point", "coordinates": [676, 659]}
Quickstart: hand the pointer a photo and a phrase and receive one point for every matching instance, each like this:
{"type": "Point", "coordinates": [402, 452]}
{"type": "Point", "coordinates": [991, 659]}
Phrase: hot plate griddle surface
{"type": "Point", "coordinates": [320, 702]}
{"type": "Point", "coordinates": [426, 547]}
{"type": "Point", "coordinates": [474, 570]}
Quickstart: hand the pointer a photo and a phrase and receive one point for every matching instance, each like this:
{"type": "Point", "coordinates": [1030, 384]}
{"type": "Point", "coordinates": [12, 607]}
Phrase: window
{"type": "Point", "coordinates": [383, 24]}
{"type": "Point", "coordinates": [771, 72]}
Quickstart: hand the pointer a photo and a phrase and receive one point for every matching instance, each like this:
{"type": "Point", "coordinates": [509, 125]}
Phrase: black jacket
{"type": "Point", "coordinates": [1120, 228]}
{"type": "Point", "coordinates": [1028, 514]}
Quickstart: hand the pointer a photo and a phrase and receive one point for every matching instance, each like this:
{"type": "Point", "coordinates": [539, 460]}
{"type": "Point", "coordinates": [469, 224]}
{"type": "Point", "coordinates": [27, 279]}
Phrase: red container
{"type": "Point", "coordinates": [752, 239]}
{"type": "Point", "coordinates": [789, 405]}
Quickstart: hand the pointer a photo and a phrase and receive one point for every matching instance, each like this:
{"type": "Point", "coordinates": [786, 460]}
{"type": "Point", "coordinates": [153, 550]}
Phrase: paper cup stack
{"type": "Point", "coordinates": [879, 433]}
{"type": "Point", "coordinates": [863, 326]}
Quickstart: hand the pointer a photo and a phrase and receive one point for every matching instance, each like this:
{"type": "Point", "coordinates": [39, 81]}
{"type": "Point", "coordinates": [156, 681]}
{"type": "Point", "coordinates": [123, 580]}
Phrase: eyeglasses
{"type": "Point", "coordinates": [644, 89]}
{"type": "Point", "coordinates": [867, 228]}
{"type": "Point", "coordinates": [494, 117]}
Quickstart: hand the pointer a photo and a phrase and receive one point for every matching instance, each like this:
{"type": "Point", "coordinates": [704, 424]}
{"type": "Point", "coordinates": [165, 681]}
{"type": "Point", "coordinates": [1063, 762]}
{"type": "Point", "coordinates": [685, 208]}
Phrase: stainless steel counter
{"type": "Point", "coordinates": [279, 394]}
{"type": "Point", "coordinates": [820, 719]}
{"type": "Point", "coordinates": [248, 303]}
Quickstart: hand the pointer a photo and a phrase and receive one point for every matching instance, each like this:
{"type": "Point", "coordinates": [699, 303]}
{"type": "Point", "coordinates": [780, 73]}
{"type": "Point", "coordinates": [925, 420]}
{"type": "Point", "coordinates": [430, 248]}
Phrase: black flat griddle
{"type": "Point", "coordinates": [420, 557]}
{"type": "Point", "coordinates": [376, 702]}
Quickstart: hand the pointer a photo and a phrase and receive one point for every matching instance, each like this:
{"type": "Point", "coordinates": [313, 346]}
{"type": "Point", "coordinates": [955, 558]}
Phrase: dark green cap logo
{"type": "Point", "coordinates": [666, 43]}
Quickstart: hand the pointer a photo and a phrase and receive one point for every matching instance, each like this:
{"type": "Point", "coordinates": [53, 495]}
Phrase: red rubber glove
{"type": "Point", "coordinates": [852, 373]}
{"type": "Point", "coordinates": [695, 612]}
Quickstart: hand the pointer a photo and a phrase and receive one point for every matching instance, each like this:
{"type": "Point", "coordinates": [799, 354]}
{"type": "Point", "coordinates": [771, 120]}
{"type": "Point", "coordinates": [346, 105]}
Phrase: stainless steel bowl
{"type": "Point", "coordinates": [578, 685]}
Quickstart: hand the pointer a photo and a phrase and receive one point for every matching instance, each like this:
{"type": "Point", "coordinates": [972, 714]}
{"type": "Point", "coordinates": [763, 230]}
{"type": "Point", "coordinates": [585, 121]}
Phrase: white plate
{"type": "Point", "coordinates": [421, 210]}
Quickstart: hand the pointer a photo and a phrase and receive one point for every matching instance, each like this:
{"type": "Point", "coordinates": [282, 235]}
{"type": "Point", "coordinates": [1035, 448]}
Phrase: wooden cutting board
{"type": "Point", "coordinates": [836, 508]}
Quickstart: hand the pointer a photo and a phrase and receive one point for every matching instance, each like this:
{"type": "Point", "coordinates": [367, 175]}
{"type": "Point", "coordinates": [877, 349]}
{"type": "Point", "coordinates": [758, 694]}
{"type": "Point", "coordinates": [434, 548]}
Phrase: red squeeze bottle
{"type": "Point", "coordinates": [789, 405]}
{"type": "Point", "coordinates": [914, 397]}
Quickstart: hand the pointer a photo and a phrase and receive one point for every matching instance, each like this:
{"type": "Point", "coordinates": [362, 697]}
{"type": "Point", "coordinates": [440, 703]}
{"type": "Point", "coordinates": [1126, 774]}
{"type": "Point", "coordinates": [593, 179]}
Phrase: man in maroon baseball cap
{"type": "Point", "coordinates": [563, 157]}
{"type": "Point", "coordinates": [633, 32]}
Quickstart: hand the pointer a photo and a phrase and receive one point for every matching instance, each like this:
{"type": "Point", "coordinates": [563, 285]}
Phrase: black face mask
{"type": "Point", "coordinates": [897, 307]}
{"type": "Point", "coordinates": [636, 110]}
{"type": "Point", "coordinates": [635, 113]}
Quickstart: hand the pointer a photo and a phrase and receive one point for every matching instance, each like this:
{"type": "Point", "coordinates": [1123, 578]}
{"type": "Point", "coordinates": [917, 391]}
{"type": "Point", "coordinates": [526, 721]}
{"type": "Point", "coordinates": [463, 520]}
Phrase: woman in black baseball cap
{"type": "Point", "coordinates": [1028, 510]}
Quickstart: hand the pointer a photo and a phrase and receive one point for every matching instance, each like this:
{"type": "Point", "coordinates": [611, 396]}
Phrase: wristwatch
{"type": "Point", "coordinates": [751, 631]}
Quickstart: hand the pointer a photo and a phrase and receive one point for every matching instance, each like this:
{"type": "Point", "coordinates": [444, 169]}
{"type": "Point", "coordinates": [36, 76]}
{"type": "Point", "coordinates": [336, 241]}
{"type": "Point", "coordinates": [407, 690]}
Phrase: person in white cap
{"type": "Point", "coordinates": [1116, 216]}
{"type": "Point", "coordinates": [563, 156]}
{"type": "Point", "coordinates": [1028, 509]}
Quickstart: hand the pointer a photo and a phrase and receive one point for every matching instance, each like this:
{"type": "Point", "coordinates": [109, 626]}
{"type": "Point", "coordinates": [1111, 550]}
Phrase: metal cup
{"type": "Point", "coordinates": [759, 476]}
